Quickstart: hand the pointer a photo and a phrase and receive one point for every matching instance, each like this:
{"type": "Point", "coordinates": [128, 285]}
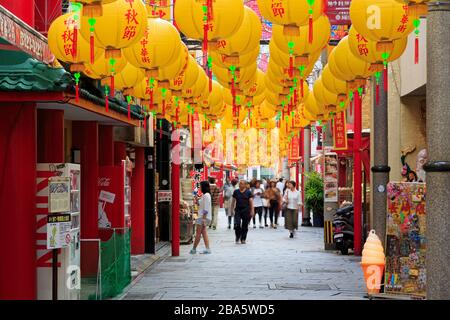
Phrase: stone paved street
{"type": "Point", "coordinates": [270, 266]}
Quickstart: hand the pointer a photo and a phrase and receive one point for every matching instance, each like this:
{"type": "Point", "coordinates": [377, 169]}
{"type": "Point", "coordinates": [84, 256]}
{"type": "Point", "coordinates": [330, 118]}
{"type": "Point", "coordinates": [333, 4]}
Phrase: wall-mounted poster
{"type": "Point", "coordinates": [405, 239]}
{"type": "Point", "coordinates": [59, 194]}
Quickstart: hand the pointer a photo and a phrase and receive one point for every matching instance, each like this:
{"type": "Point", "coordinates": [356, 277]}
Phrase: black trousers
{"type": "Point", "coordinates": [241, 221]}
{"type": "Point", "coordinates": [258, 211]}
{"type": "Point", "coordinates": [273, 211]}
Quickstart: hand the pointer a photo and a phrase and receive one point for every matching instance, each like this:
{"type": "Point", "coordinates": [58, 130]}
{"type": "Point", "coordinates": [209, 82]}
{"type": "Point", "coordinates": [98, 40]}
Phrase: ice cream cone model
{"type": "Point", "coordinates": [373, 262]}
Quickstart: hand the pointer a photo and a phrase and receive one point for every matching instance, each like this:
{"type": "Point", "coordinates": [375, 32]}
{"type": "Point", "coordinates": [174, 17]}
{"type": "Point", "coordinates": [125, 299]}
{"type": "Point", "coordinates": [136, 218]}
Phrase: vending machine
{"type": "Point", "coordinates": [69, 276]}
{"type": "Point", "coordinates": [114, 200]}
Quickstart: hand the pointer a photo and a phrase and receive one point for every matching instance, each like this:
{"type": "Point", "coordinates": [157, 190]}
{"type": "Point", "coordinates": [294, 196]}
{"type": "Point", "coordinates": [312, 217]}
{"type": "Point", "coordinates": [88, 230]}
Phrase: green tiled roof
{"type": "Point", "coordinates": [32, 75]}
{"type": "Point", "coordinates": [21, 73]}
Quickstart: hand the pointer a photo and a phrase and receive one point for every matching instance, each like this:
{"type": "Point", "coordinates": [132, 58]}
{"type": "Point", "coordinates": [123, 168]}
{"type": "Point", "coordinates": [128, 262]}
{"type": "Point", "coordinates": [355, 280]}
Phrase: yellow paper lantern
{"type": "Point", "coordinates": [241, 61]}
{"type": "Point", "coordinates": [366, 49]}
{"type": "Point", "coordinates": [244, 77]}
{"type": "Point", "coordinates": [128, 78]}
{"type": "Point", "coordinates": [329, 99]}
{"type": "Point", "coordinates": [159, 47]}
{"type": "Point", "coordinates": [213, 104]}
{"type": "Point", "coordinates": [61, 40]}
{"type": "Point", "coordinates": [122, 23]}
{"type": "Point", "coordinates": [226, 20]}
{"type": "Point", "coordinates": [258, 87]}
{"type": "Point", "coordinates": [199, 87]}
{"type": "Point", "coordinates": [290, 13]}
{"type": "Point", "coordinates": [92, 7]}
{"type": "Point", "coordinates": [381, 21]}
{"type": "Point", "coordinates": [172, 71]}
{"type": "Point", "coordinates": [345, 65]}
{"type": "Point", "coordinates": [187, 77]}
{"type": "Point", "coordinates": [283, 59]}
{"type": "Point", "coordinates": [300, 45]}
{"type": "Point", "coordinates": [246, 37]}
{"type": "Point", "coordinates": [333, 84]}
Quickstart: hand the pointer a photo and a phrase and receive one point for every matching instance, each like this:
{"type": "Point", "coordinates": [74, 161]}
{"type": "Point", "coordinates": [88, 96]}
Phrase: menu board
{"type": "Point", "coordinates": [405, 239]}
{"type": "Point", "coordinates": [331, 177]}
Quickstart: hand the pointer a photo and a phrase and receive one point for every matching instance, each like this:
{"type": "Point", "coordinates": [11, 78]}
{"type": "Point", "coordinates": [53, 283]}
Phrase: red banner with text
{"type": "Point", "coordinates": [340, 132]}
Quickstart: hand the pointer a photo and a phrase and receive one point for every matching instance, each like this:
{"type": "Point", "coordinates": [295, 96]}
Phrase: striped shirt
{"type": "Point", "coordinates": [215, 195]}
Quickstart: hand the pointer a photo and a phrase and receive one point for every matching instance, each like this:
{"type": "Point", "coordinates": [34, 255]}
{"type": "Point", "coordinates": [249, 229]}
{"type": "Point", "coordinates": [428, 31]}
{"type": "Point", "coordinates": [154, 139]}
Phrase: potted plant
{"type": "Point", "coordinates": [314, 199]}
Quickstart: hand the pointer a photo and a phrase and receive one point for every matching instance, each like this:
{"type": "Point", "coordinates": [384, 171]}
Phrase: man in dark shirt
{"type": "Point", "coordinates": [243, 211]}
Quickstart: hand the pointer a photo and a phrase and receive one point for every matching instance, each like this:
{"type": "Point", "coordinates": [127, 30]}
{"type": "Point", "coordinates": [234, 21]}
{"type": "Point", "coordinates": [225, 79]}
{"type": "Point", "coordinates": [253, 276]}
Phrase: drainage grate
{"type": "Point", "coordinates": [324, 271]}
{"type": "Point", "coordinates": [305, 286]}
{"type": "Point", "coordinates": [170, 259]}
{"type": "Point", "coordinates": [140, 296]}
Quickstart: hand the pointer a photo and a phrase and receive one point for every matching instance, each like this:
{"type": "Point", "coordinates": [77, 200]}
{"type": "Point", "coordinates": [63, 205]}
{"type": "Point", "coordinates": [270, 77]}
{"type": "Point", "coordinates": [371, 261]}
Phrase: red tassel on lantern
{"type": "Point", "coordinates": [310, 29]}
{"type": "Point", "coordinates": [77, 93]}
{"type": "Point", "coordinates": [75, 43]}
{"type": "Point", "coordinates": [291, 66]}
{"type": "Point", "coordinates": [92, 47]}
{"type": "Point", "coordinates": [164, 107]}
{"type": "Point", "coordinates": [416, 51]}
{"type": "Point", "coordinates": [385, 73]}
{"type": "Point", "coordinates": [106, 103]}
{"type": "Point", "coordinates": [129, 111]}
{"type": "Point", "coordinates": [302, 88]}
{"type": "Point", "coordinates": [160, 129]}
{"type": "Point", "coordinates": [112, 86]}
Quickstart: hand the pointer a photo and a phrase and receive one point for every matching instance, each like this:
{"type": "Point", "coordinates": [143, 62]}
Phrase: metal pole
{"type": "Point", "coordinates": [306, 161]}
{"type": "Point", "coordinates": [55, 274]}
{"type": "Point", "coordinates": [357, 174]}
{"type": "Point", "coordinates": [175, 183]}
{"type": "Point", "coordinates": [380, 169]}
{"type": "Point", "coordinates": [438, 165]}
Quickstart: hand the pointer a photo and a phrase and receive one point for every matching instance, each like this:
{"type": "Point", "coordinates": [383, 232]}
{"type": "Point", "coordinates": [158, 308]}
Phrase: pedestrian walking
{"type": "Point", "coordinates": [204, 218]}
{"type": "Point", "coordinates": [292, 199]}
{"type": "Point", "coordinates": [228, 190]}
{"type": "Point", "coordinates": [215, 197]}
{"type": "Point", "coordinates": [273, 195]}
{"type": "Point", "coordinates": [258, 192]}
{"type": "Point", "coordinates": [243, 211]}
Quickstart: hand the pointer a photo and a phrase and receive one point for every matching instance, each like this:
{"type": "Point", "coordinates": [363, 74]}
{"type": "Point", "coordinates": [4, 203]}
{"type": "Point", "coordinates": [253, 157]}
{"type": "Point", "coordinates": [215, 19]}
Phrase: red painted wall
{"type": "Point", "coordinates": [23, 9]}
{"type": "Point", "coordinates": [17, 201]}
{"type": "Point", "coordinates": [85, 138]}
{"type": "Point", "coordinates": [106, 146]}
{"type": "Point", "coordinates": [138, 204]}
{"type": "Point", "coordinates": [50, 136]}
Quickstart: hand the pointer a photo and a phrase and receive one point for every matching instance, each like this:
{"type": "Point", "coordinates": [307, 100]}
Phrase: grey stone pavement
{"type": "Point", "coordinates": [270, 267]}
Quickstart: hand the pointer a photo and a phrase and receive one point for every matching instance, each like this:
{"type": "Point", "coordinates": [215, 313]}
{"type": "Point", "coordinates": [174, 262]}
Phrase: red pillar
{"type": "Point", "coordinates": [138, 204]}
{"type": "Point", "coordinates": [23, 9]}
{"type": "Point", "coordinates": [106, 146]}
{"type": "Point", "coordinates": [50, 136]}
{"type": "Point", "coordinates": [302, 157]}
{"type": "Point", "coordinates": [85, 138]}
{"type": "Point", "coordinates": [18, 201]}
{"type": "Point", "coordinates": [120, 152]}
{"type": "Point", "coordinates": [175, 183]}
{"type": "Point", "coordinates": [357, 177]}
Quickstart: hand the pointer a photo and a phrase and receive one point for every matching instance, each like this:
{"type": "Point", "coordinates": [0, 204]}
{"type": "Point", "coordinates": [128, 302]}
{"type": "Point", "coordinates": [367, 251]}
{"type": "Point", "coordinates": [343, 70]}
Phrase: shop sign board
{"type": "Point", "coordinates": [338, 11]}
{"type": "Point", "coordinates": [340, 132]}
{"type": "Point", "coordinates": [58, 230]}
{"type": "Point", "coordinates": [22, 36]}
{"type": "Point", "coordinates": [165, 196]}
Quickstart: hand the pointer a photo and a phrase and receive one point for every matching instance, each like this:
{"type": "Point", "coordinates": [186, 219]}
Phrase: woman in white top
{"type": "Point", "coordinates": [292, 199]}
{"type": "Point", "coordinates": [204, 218]}
{"type": "Point", "coordinates": [258, 192]}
